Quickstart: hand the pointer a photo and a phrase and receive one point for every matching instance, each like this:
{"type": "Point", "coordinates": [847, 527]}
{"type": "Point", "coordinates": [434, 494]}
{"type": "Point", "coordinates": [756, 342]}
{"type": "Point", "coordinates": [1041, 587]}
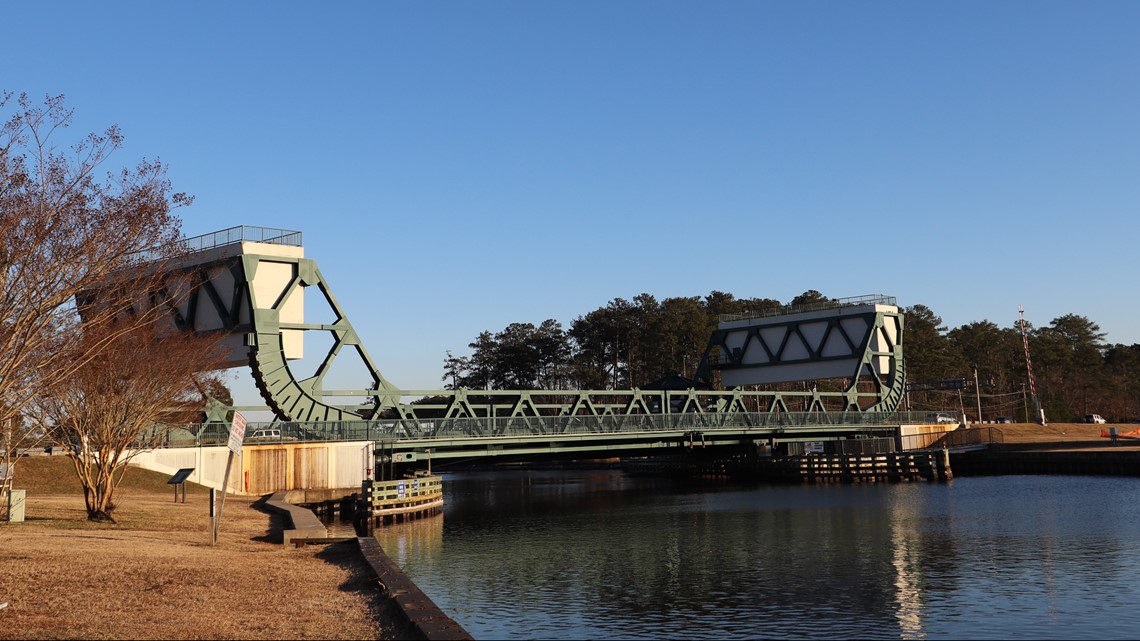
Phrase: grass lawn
{"type": "Point", "coordinates": [154, 574]}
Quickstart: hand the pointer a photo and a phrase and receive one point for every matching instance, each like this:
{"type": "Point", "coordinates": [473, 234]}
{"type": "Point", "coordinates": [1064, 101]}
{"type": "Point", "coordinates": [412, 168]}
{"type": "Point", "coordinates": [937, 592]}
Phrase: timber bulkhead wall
{"type": "Point", "coordinates": [303, 466]}
{"type": "Point", "coordinates": [267, 468]}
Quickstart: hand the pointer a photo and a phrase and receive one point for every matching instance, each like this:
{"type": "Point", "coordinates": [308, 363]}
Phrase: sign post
{"type": "Point", "coordinates": [237, 435]}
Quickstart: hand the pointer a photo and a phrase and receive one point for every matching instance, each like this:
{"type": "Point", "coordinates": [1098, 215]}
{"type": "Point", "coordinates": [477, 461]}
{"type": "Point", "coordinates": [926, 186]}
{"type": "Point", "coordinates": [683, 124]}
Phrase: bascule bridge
{"type": "Point", "coordinates": [772, 381]}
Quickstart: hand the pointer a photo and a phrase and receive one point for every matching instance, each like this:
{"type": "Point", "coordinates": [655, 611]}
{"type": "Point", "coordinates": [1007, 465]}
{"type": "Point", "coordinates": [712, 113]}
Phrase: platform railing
{"type": "Point", "coordinates": [231, 236]}
{"type": "Point", "coordinates": [242, 233]}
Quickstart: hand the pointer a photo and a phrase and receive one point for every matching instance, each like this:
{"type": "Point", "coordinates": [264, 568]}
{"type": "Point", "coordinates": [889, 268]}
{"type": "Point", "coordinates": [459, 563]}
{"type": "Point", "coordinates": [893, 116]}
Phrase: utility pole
{"type": "Point", "coordinates": [1029, 367]}
{"type": "Point", "coordinates": [977, 392]}
{"type": "Point", "coordinates": [1024, 402]}
{"type": "Point", "coordinates": [962, 407]}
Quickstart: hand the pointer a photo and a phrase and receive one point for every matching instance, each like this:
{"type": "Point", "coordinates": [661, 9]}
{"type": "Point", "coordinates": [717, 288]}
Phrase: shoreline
{"type": "Point", "coordinates": [67, 578]}
{"type": "Point", "coordinates": [154, 573]}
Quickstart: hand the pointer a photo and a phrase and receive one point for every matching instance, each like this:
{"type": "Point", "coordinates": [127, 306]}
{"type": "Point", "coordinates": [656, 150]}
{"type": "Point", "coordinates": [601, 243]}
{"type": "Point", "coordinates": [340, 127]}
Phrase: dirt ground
{"type": "Point", "coordinates": [155, 575]}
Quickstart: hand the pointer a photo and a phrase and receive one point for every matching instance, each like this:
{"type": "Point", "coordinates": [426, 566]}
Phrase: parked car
{"type": "Point", "coordinates": [1094, 418]}
{"type": "Point", "coordinates": [265, 435]}
{"type": "Point", "coordinates": [1003, 419]}
{"type": "Point", "coordinates": [942, 418]}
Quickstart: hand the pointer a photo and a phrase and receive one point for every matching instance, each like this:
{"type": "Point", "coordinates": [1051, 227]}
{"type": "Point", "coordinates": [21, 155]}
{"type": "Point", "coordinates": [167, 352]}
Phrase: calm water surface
{"type": "Point", "coordinates": [597, 554]}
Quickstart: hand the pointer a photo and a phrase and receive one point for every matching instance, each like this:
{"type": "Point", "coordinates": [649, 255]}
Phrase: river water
{"type": "Point", "coordinates": [600, 554]}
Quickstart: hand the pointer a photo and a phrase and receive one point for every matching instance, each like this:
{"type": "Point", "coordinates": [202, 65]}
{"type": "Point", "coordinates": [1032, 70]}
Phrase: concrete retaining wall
{"type": "Point", "coordinates": [305, 524]}
{"type": "Point", "coordinates": [268, 468]}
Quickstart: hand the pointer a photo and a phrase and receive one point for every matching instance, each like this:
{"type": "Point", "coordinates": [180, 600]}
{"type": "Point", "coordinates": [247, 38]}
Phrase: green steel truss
{"type": "Point", "coordinates": [224, 287]}
{"type": "Point", "coordinates": [866, 390]}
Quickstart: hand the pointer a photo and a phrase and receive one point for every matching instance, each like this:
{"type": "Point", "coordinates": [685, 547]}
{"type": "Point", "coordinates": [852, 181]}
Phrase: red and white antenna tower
{"type": "Point", "coordinates": [1029, 366]}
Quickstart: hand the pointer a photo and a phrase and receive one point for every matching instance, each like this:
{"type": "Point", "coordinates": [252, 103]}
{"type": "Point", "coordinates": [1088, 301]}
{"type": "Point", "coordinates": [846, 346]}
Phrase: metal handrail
{"type": "Point", "coordinates": [242, 233]}
{"type": "Point", "coordinates": [231, 236]}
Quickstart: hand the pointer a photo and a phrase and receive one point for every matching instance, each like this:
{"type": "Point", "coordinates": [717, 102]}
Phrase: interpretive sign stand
{"type": "Point", "coordinates": [179, 479]}
{"type": "Point", "coordinates": [237, 436]}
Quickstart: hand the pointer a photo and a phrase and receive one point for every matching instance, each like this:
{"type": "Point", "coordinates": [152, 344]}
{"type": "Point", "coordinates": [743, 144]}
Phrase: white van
{"type": "Point", "coordinates": [265, 435]}
{"type": "Point", "coordinates": [1094, 418]}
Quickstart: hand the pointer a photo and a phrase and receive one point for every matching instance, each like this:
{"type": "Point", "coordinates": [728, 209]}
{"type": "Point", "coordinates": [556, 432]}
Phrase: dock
{"type": "Point", "coordinates": [399, 500]}
{"type": "Point", "coordinates": [886, 467]}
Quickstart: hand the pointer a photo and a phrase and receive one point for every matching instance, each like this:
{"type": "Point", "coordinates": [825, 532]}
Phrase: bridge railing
{"type": "Point", "coordinates": [444, 428]}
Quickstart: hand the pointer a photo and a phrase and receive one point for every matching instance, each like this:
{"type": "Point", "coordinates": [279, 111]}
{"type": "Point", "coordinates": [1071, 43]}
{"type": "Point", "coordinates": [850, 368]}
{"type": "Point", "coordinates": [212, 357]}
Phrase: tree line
{"type": "Point", "coordinates": [629, 344]}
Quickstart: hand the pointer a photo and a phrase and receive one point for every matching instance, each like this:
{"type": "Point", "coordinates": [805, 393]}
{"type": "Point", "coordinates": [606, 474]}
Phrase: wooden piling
{"type": "Point", "coordinates": [891, 467]}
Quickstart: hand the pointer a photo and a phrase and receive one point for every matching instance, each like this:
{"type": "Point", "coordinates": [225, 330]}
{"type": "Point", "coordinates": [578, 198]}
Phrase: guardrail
{"type": "Point", "coordinates": [194, 435]}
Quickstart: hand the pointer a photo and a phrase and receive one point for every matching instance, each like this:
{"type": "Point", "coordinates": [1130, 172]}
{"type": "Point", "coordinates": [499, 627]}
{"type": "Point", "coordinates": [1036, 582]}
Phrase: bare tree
{"type": "Point", "coordinates": [63, 231]}
{"type": "Point", "coordinates": [112, 408]}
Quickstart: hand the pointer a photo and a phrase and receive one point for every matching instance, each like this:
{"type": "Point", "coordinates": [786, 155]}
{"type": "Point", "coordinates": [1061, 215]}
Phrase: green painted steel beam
{"type": "Point", "coordinates": [230, 286]}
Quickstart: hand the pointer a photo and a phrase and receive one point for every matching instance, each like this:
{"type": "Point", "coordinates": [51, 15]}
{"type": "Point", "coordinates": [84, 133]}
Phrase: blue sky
{"type": "Point", "coordinates": [459, 166]}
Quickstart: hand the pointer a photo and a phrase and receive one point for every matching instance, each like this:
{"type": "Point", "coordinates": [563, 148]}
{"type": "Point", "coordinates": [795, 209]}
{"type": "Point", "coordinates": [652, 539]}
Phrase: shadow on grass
{"type": "Point", "coordinates": [390, 621]}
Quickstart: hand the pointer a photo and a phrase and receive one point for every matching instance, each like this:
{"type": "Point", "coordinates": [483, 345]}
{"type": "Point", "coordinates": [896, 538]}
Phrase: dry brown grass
{"type": "Point", "coordinates": [1053, 432]}
{"type": "Point", "coordinates": [154, 574]}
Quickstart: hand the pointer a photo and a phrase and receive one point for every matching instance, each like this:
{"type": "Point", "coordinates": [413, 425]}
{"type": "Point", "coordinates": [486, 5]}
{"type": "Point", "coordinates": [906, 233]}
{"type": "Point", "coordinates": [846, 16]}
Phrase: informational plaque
{"type": "Point", "coordinates": [179, 480]}
{"type": "Point", "coordinates": [180, 476]}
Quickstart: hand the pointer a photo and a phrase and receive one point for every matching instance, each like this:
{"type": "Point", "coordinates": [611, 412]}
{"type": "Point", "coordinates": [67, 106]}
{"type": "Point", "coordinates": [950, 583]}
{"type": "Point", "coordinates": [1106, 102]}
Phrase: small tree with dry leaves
{"type": "Point", "coordinates": [118, 405]}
